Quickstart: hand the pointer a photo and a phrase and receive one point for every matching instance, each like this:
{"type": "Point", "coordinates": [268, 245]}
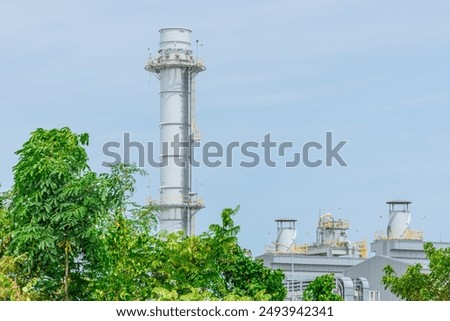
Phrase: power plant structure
{"type": "Point", "coordinates": [332, 252]}
{"type": "Point", "coordinates": [176, 67]}
{"type": "Point", "coordinates": [358, 277]}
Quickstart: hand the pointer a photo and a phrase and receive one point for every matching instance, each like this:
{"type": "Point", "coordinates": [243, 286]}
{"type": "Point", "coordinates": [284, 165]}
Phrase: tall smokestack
{"type": "Point", "coordinates": [176, 67]}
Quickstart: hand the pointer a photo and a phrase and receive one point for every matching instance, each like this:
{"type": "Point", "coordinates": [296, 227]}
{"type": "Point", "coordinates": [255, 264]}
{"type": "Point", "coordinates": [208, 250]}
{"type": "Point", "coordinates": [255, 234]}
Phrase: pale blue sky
{"type": "Point", "coordinates": [375, 73]}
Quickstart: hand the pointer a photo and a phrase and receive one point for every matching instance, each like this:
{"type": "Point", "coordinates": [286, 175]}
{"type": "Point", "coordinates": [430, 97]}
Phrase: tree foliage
{"type": "Point", "coordinates": [210, 266]}
{"type": "Point", "coordinates": [58, 210]}
{"type": "Point", "coordinates": [216, 266]}
{"type": "Point", "coordinates": [415, 285]}
{"type": "Point", "coordinates": [130, 247]}
{"type": "Point", "coordinates": [4, 227]}
{"type": "Point", "coordinates": [11, 288]}
{"type": "Point", "coordinates": [321, 289]}
{"type": "Point", "coordinates": [68, 233]}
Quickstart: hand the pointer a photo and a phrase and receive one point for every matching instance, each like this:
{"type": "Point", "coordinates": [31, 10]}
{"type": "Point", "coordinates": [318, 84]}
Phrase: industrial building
{"type": "Point", "coordinates": [357, 277]}
{"type": "Point", "coordinates": [331, 253]}
{"type": "Point", "coordinates": [400, 247]}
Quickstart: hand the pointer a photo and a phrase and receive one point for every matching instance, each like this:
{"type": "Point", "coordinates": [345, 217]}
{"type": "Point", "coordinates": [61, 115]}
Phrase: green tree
{"type": "Point", "coordinates": [210, 266]}
{"type": "Point", "coordinates": [58, 210]}
{"type": "Point", "coordinates": [415, 285]}
{"type": "Point", "coordinates": [216, 266]}
{"type": "Point", "coordinates": [130, 244]}
{"type": "Point", "coordinates": [321, 289]}
{"type": "Point", "coordinates": [9, 285]}
{"type": "Point", "coordinates": [69, 233]}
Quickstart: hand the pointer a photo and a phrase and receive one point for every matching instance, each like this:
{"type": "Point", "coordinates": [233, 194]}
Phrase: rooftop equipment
{"type": "Point", "coordinates": [286, 233]}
